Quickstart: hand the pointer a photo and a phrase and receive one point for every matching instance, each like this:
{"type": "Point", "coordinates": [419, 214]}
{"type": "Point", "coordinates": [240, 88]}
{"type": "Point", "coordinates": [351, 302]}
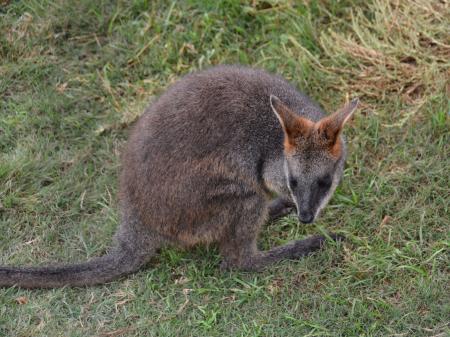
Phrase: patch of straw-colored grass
{"type": "Point", "coordinates": [400, 50]}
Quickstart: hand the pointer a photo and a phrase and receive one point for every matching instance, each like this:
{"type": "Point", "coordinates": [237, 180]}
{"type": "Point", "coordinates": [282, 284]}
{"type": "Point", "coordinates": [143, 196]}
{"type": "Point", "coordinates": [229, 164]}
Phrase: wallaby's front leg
{"type": "Point", "coordinates": [280, 207]}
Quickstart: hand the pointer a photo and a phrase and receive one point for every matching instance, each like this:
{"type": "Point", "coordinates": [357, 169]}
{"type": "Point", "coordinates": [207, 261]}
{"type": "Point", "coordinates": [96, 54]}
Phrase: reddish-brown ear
{"type": "Point", "coordinates": [330, 127]}
{"type": "Point", "coordinates": [293, 125]}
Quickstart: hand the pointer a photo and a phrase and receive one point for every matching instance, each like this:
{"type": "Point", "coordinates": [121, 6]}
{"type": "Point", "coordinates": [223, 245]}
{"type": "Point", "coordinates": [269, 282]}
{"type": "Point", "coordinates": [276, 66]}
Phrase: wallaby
{"type": "Point", "coordinates": [202, 165]}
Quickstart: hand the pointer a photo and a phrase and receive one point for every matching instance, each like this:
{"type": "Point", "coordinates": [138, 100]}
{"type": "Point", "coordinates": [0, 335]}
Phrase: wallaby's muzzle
{"type": "Point", "coordinates": [305, 217]}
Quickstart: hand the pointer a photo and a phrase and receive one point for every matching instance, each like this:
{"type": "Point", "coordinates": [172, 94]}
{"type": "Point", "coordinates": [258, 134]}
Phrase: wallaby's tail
{"type": "Point", "coordinates": [123, 259]}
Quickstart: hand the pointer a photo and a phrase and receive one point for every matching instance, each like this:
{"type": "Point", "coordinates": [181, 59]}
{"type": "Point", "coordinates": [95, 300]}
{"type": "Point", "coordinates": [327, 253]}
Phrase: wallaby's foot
{"type": "Point", "coordinates": [260, 259]}
{"type": "Point", "coordinates": [280, 207]}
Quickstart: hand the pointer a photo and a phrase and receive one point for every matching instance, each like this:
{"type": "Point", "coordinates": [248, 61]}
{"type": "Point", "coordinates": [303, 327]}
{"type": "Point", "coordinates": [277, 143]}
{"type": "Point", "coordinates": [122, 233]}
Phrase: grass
{"type": "Point", "coordinates": [75, 75]}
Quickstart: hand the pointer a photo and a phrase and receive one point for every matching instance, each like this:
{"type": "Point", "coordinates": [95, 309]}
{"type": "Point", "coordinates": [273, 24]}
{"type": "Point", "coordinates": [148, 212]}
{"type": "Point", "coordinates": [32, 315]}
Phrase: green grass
{"type": "Point", "coordinates": [75, 74]}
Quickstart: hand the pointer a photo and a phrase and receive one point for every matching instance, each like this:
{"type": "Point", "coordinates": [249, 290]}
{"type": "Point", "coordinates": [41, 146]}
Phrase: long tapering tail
{"type": "Point", "coordinates": [123, 259]}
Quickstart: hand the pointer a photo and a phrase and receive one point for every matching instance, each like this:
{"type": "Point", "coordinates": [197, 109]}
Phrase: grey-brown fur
{"type": "Point", "coordinates": [200, 167]}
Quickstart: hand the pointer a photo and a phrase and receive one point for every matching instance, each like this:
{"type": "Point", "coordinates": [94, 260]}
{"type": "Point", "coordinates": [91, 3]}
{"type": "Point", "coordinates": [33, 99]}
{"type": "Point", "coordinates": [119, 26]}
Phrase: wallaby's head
{"type": "Point", "coordinates": [314, 156]}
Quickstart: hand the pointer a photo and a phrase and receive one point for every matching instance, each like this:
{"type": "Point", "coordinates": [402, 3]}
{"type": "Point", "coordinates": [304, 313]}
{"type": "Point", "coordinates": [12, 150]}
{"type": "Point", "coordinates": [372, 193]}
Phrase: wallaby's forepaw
{"type": "Point", "coordinates": [280, 213]}
{"type": "Point", "coordinates": [313, 243]}
{"type": "Point", "coordinates": [322, 239]}
{"type": "Point", "coordinates": [337, 237]}
{"type": "Point", "coordinates": [279, 208]}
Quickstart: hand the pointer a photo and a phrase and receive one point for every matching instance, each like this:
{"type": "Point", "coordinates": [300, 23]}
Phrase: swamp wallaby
{"type": "Point", "coordinates": [201, 166]}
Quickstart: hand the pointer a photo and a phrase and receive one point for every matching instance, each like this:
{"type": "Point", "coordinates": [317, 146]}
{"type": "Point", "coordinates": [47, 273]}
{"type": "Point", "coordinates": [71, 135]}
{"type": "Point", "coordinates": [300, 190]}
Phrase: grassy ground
{"type": "Point", "coordinates": [75, 74]}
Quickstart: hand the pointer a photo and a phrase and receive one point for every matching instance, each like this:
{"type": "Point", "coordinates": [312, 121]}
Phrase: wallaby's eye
{"type": "Point", "coordinates": [293, 182]}
{"type": "Point", "coordinates": [324, 182]}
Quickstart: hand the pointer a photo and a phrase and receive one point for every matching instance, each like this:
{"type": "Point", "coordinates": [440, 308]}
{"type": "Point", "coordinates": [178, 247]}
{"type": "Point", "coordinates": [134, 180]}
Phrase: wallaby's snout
{"type": "Point", "coordinates": [305, 216]}
{"type": "Point", "coordinates": [308, 200]}
{"type": "Point", "coordinates": [304, 200]}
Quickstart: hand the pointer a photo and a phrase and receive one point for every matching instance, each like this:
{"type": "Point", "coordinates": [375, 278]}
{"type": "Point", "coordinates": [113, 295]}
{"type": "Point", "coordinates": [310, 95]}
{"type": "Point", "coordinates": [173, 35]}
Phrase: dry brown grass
{"type": "Point", "coordinates": [402, 50]}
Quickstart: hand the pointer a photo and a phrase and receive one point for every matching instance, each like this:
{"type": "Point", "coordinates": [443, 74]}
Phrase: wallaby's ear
{"type": "Point", "coordinates": [331, 126]}
{"type": "Point", "coordinates": [293, 125]}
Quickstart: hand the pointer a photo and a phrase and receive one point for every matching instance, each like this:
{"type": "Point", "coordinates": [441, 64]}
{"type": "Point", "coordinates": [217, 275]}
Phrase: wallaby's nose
{"type": "Point", "coordinates": [306, 217]}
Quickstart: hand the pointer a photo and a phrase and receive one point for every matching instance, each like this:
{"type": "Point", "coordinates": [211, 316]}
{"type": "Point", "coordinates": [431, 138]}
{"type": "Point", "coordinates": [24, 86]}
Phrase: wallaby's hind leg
{"type": "Point", "coordinates": [239, 250]}
{"type": "Point", "coordinates": [260, 259]}
{"type": "Point", "coordinates": [280, 207]}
